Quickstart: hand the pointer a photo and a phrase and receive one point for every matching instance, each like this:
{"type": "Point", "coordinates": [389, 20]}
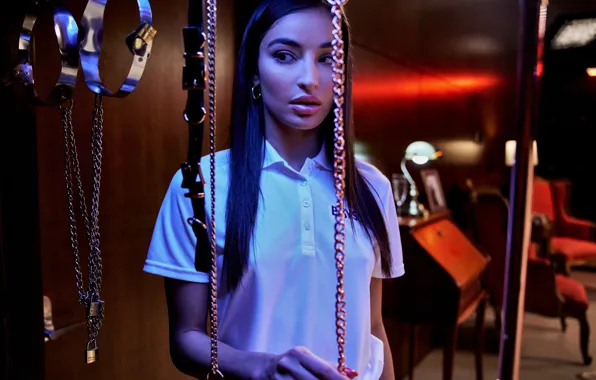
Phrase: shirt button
{"type": "Point", "coordinates": [306, 203]}
{"type": "Point", "coordinates": [304, 183]}
{"type": "Point", "coordinates": [307, 226]}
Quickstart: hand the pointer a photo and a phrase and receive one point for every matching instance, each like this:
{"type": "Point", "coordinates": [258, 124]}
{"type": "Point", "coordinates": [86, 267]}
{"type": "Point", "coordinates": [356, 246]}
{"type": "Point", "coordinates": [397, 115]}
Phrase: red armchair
{"type": "Point", "coordinates": [547, 294]}
{"type": "Point", "coordinates": [573, 240]}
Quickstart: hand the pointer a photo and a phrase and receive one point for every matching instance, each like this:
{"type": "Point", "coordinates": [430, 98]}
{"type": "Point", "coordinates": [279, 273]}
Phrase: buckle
{"type": "Point", "coordinates": [138, 40]}
{"type": "Point", "coordinates": [189, 178]}
{"type": "Point", "coordinates": [194, 76]}
{"type": "Point", "coordinates": [194, 41]}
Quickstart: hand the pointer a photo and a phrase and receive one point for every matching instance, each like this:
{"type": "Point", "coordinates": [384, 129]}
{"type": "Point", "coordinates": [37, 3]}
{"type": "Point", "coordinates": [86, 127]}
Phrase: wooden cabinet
{"type": "Point", "coordinates": [442, 285]}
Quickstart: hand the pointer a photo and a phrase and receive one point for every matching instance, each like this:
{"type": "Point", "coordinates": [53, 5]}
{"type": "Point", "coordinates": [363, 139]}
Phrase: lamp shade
{"type": "Point", "coordinates": [420, 152]}
{"type": "Point", "coordinates": [510, 148]}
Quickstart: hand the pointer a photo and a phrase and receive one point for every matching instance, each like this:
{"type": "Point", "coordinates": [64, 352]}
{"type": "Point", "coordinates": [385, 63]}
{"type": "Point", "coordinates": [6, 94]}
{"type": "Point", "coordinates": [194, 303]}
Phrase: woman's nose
{"type": "Point", "coordinates": [309, 78]}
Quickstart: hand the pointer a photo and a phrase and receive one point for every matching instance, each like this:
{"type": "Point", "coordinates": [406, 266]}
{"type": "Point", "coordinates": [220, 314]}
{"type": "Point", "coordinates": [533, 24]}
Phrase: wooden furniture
{"type": "Point", "coordinates": [573, 240]}
{"type": "Point", "coordinates": [547, 293]}
{"type": "Point", "coordinates": [441, 286]}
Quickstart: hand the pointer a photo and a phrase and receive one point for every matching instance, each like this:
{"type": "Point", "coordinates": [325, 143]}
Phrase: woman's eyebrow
{"type": "Point", "coordinates": [290, 42]}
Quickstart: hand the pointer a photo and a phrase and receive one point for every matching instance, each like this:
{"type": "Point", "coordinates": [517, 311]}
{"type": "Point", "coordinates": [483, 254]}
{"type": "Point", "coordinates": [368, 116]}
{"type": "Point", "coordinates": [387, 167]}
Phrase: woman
{"type": "Point", "coordinates": [275, 221]}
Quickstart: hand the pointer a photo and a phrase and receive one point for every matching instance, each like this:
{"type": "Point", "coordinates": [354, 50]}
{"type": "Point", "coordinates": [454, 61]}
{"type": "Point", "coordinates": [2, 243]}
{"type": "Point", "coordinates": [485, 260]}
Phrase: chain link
{"type": "Point", "coordinates": [339, 170]}
{"type": "Point", "coordinates": [339, 175]}
{"type": "Point", "coordinates": [89, 297]}
{"type": "Point", "coordinates": [211, 40]}
{"type": "Point", "coordinates": [68, 167]}
{"type": "Point", "coordinates": [96, 151]}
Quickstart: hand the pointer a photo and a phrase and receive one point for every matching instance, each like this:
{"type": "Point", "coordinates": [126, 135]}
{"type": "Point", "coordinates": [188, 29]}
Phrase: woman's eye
{"type": "Point", "coordinates": [328, 59]}
{"type": "Point", "coordinates": [283, 56]}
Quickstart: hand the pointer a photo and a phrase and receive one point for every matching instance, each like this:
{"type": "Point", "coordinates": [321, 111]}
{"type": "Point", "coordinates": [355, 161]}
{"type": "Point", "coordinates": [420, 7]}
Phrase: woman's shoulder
{"type": "Point", "coordinates": [373, 175]}
{"type": "Point", "coordinates": [221, 163]}
{"type": "Point", "coordinates": [222, 159]}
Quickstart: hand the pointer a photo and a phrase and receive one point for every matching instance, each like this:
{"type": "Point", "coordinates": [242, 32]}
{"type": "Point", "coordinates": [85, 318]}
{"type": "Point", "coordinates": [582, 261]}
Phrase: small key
{"type": "Point", "coordinates": [91, 352]}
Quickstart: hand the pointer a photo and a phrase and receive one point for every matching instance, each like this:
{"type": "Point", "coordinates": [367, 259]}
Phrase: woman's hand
{"type": "Point", "coordinates": [300, 363]}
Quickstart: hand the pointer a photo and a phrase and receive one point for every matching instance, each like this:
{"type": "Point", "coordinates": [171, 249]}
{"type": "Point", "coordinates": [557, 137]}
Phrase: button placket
{"type": "Point", "coordinates": [306, 217]}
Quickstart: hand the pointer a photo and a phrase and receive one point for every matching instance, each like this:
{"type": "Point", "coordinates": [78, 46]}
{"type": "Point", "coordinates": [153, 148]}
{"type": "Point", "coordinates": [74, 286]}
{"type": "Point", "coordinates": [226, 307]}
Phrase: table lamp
{"type": "Point", "coordinates": [510, 148]}
{"type": "Point", "coordinates": [419, 152]}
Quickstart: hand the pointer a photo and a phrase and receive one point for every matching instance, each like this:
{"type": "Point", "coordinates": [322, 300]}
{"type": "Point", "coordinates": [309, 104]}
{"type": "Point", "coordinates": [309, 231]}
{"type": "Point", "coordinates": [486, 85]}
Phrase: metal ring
{"type": "Point", "coordinates": [139, 43]}
{"type": "Point", "coordinates": [192, 221]}
{"type": "Point", "coordinates": [217, 373]}
{"type": "Point", "coordinates": [196, 122]}
{"type": "Point", "coordinates": [92, 344]}
{"type": "Point", "coordinates": [67, 33]}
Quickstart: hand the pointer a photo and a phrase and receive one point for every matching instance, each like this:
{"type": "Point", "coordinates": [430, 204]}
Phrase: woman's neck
{"type": "Point", "coordinates": [294, 145]}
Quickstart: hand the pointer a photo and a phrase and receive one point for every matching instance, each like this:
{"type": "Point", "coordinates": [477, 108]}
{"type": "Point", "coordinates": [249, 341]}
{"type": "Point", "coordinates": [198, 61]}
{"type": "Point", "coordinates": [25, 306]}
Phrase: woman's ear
{"type": "Point", "coordinates": [255, 80]}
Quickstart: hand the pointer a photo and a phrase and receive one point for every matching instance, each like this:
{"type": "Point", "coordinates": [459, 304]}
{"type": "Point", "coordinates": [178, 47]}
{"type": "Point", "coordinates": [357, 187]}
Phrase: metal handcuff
{"type": "Point", "coordinates": [67, 32]}
{"type": "Point", "coordinates": [139, 42]}
{"type": "Point", "coordinates": [194, 82]}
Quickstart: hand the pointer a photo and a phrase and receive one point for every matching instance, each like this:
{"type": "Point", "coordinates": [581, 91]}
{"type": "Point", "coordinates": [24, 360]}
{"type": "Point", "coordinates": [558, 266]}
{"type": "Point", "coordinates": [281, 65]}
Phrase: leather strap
{"type": "Point", "coordinates": [139, 43]}
{"type": "Point", "coordinates": [194, 82]}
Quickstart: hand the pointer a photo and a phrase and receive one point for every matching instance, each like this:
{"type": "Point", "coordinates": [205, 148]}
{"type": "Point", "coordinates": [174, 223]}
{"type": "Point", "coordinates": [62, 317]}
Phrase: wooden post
{"type": "Point", "coordinates": [532, 20]}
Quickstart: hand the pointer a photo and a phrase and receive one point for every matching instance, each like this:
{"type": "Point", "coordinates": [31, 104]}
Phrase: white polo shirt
{"type": "Point", "coordinates": [287, 295]}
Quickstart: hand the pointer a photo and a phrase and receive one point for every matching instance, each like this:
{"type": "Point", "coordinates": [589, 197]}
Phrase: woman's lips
{"type": "Point", "coordinates": [305, 109]}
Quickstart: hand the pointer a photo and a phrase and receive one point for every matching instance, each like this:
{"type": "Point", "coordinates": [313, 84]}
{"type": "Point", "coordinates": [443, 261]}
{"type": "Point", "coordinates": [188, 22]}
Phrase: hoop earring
{"type": "Point", "coordinates": [256, 91]}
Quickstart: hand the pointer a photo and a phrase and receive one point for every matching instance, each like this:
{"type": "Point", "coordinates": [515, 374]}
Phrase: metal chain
{"type": "Point", "coordinates": [95, 315]}
{"type": "Point", "coordinates": [211, 40]}
{"type": "Point", "coordinates": [74, 159]}
{"type": "Point", "coordinates": [96, 151]}
{"type": "Point", "coordinates": [68, 167]}
{"type": "Point", "coordinates": [339, 164]}
{"type": "Point", "coordinates": [339, 174]}
{"type": "Point", "coordinates": [89, 297]}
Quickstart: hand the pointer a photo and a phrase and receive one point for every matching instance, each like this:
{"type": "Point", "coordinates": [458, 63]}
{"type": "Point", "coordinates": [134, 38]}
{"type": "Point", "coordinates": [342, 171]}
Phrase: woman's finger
{"type": "Point", "coordinates": [319, 367]}
{"type": "Point", "coordinates": [351, 373]}
{"type": "Point", "coordinates": [289, 367]}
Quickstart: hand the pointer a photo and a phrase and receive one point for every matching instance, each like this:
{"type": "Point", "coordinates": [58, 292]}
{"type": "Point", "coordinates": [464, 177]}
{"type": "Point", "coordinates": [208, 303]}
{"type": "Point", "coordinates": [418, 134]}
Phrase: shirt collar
{"type": "Point", "coordinates": [322, 158]}
{"type": "Point", "coordinates": [272, 157]}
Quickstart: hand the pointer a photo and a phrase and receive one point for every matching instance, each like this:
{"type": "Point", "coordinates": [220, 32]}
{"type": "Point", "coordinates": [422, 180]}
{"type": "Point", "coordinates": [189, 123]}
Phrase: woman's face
{"type": "Point", "coordinates": [295, 69]}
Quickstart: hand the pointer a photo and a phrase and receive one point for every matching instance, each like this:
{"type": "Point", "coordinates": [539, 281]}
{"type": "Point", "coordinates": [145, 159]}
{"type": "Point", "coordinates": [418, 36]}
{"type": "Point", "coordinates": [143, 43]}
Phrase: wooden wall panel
{"type": "Point", "coordinates": [145, 141]}
{"type": "Point", "coordinates": [440, 71]}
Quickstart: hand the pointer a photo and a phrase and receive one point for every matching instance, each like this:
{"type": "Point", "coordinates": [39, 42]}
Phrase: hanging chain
{"type": "Point", "coordinates": [96, 151]}
{"type": "Point", "coordinates": [90, 297]}
{"type": "Point", "coordinates": [68, 168]}
{"type": "Point", "coordinates": [340, 175]}
{"type": "Point", "coordinates": [211, 40]}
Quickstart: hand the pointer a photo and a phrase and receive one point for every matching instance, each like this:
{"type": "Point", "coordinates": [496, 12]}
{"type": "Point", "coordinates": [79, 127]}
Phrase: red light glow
{"type": "Point", "coordinates": [421, 86]}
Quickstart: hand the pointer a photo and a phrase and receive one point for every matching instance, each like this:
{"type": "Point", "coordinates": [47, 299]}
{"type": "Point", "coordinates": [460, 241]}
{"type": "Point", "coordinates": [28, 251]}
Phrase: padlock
{"type": "Point", "coordinates": [91, 352]}
{"type": "Point", "coordinates": [95, 308]}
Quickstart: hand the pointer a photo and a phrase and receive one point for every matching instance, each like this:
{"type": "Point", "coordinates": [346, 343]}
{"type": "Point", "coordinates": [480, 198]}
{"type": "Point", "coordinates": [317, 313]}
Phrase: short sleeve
{"type": "Point", "coordinates": [392, 225]}
{"type": "Point", "coordinates": [172, 248]}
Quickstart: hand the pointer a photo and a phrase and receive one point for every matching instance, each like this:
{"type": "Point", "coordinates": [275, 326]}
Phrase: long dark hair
{"type": "Point", "coordinates": [247, 149]}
